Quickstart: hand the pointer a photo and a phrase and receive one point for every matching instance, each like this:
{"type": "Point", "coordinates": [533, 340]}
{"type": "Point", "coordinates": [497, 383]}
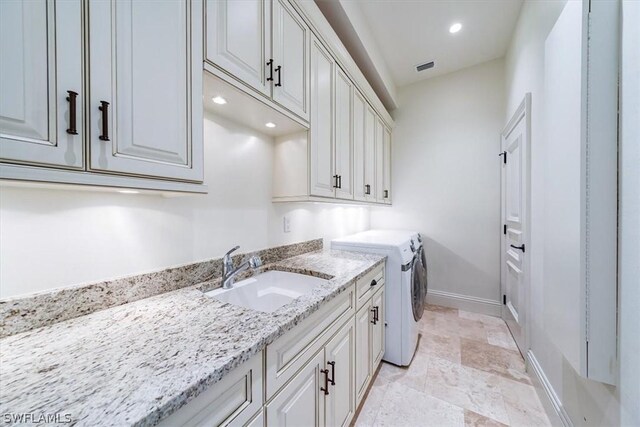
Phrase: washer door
{"type": "Point", "coordinates": [418, 285]}
{"type": "Point", "coordinates": [423, 259]}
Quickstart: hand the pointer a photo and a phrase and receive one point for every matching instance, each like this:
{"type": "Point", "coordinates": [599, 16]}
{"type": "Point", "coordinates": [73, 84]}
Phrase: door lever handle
{"type": "Point", "coordinates": [521, 247]}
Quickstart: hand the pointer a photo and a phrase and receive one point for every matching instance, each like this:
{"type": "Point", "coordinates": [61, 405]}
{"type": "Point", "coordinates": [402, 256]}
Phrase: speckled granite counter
{"type": "Point", "coordinates": [136, 363]}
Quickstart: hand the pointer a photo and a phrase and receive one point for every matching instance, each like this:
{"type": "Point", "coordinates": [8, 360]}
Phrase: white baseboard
{"type": "Point", "coordinates": [464, 302]}
{"type": "Point", "coordinates": [549, 392]}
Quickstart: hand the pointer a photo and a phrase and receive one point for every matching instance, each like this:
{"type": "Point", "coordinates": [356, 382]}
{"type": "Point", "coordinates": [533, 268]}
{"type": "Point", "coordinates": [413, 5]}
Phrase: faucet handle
{"type": "Point", "coordinates": [255, 261]}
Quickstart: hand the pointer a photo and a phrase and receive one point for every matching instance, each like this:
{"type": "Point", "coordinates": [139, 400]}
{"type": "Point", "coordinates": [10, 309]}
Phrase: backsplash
{"type": "Point", "coordinates": [22, 314]}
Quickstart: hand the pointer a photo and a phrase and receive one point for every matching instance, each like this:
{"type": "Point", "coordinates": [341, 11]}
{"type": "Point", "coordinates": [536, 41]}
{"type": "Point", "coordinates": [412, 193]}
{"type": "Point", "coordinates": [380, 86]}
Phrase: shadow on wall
{"type": "Point", "coordinates": [448, 271]}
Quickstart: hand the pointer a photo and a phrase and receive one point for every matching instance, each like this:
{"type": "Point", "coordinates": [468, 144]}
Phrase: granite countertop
{"type": "Point", "coordinates": [136, 363]}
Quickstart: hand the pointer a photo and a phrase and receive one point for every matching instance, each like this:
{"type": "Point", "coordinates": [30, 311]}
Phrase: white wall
{"type": "Point", "coordinates": [446, 176]}
{"type": "Point", "coordinates": [56, 238]}
{"type": "Point", "coordinates": [586, 402]}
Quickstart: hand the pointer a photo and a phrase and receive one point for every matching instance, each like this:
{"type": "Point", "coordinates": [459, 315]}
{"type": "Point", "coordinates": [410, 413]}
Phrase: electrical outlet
{"type": "Point", "coordinates": [286, 224]}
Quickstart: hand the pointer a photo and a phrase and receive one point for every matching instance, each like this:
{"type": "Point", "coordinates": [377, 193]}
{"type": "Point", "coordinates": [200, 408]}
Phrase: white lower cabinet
{"type": "Point", "coordinates": [231, 402]}
{"type": "Point", "coordinates": [363, 352]}
{"type": "Point", "coordinates": [340, 361]}
{"type": "Point", "coordinates": [302, 401]}
{"type": "Point", "coordinates": [377, 328]}
{"type": "Point", "coordinates": [258, 420]}
{"type": "Point", "coordinates": [314, 375]}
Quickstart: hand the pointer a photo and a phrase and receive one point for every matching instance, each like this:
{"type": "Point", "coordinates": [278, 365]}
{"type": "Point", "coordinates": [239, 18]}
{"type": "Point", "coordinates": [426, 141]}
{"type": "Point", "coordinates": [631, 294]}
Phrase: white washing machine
{"type": "Point", "coordinates": [405, 285]}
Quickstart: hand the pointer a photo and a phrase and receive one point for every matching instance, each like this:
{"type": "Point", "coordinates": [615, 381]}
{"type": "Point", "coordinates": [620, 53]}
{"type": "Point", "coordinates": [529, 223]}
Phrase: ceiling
{"type": "Point", "coordinates": [412, 32]}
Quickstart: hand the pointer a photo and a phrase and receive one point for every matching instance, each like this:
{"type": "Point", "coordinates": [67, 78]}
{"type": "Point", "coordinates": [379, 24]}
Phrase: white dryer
{"type": "Point", "coordinates": [405, 284]}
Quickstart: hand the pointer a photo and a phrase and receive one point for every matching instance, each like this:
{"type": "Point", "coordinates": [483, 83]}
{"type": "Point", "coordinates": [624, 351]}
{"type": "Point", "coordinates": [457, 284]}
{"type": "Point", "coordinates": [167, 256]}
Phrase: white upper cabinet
{"type": "Point", "coordinates": [323, 179]}
{"type": "Point", "coordinates": [343, 135]}
{"type": "Point", "coordinates": [359, 109]}
{"type": "Point", "coordinates": [145, 88]}
{"type": "Point", "coordinates": [369, 154]}
{"type": "Point", "coordinates": [238, 39]}
{"type": "Point", "coordinates": [290, 41]}
{"type": "Point", "coordinates": [379, 160]}
{"type": "Point", "coordinates": [265, 45]}
{"type": "Point", "coordinates": [41, 108]}
{"type": "Point", "coordinates": [386, 192]}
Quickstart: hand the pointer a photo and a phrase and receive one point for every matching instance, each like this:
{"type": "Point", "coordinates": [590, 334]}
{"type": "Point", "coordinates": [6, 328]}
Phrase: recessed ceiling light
{"type": "Point", "coordinates": [128, 191]}
{"type": "Point", "coordinates": [270, 125]}
{"type": "Point", "coordinates": [219, 100]}
{"type": "Point", "coordinates": [455, 28]}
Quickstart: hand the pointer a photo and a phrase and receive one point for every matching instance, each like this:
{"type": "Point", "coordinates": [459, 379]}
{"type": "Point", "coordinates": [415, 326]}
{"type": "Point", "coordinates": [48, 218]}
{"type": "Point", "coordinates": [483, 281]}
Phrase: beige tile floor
{"type": "Point", "coordinates": [467, 371]}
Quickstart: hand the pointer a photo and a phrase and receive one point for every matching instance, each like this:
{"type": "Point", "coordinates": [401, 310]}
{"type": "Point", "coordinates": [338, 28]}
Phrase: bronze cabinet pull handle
{"type": "Point", "coordinates": [104, 107]}
{"type": "Point", "coordinates": [333, 372]}
{"type": "Point", "coordinates": [270, 64]}
{"type": "Point", "coordinates": [326, 381]}
{"type": "Point", "coordinates": [375, 318]}
{"type": "Point", "coordinates": [279, 71]}
{"type": "Point", "coordinates": [72, 130]}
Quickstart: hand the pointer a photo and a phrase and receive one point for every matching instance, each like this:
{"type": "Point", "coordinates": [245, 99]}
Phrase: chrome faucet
{"type": "Point", "coordinates": [229, 273]}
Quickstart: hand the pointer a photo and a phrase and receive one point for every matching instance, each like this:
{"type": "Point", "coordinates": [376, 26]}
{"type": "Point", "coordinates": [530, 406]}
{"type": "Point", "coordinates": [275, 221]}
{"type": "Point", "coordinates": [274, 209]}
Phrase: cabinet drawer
{"type": "Point", "coordinates": [291, 351]}
{"type": "Point", "coordinates": [230, 402]}
{"type": "Point", "coordinates": [364, 288]}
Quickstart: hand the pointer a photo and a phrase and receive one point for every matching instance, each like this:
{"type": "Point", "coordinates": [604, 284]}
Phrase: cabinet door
{"type": "Point", "coordinates": [238, 39]}
{"type": "Point", "coordinates": [339, 355]}
{"type": "Point", "coordinates": [387, 166]}
{"type": "Point", "coordinates": [321, 163]}
{"type": "Point", "coordinates": [152, 124]}
{"type": "Point", "coordinates": [291, 53]}
{"type": "Point", "coordinates": [379, 159]}
{"type": "Point", "coordinates": [363, 351]}
{"type": "Point", "coordinates": [40, 61]}
{"type": "Point", "coordinates": [359, 109]}
{"type": "Point", "coordinates": [377, 330]}
{"type": "Point", "coordinates": [370, 154]}
{"type": "Point", "coordinates": [301, 402]}
{"type": "Point", "coordinates": [344, 135]}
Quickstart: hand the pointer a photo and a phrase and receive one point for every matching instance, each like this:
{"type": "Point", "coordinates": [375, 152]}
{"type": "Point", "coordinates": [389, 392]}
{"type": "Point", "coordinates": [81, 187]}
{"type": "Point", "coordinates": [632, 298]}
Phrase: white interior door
{"type": "Point", "coordinates": [515, 202]}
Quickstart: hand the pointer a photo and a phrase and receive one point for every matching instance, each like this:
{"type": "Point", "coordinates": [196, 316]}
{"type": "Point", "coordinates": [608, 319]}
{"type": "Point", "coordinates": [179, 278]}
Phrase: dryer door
{"type": "Point", "coordinates": [418, 286]}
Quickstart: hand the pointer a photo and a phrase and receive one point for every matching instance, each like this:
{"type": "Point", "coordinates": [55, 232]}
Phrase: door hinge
{"type": "Point", "coordinates": [504, 229]}
{"type": "Point", "coordinates": [504, 158]}
{"type": "Point", "coordinates": [504, 300]}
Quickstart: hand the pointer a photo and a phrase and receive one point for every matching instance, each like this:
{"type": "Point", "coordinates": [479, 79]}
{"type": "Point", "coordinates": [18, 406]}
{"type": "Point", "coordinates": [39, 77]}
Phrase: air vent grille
{"type": "Point", "coordinates": [426, 66]}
